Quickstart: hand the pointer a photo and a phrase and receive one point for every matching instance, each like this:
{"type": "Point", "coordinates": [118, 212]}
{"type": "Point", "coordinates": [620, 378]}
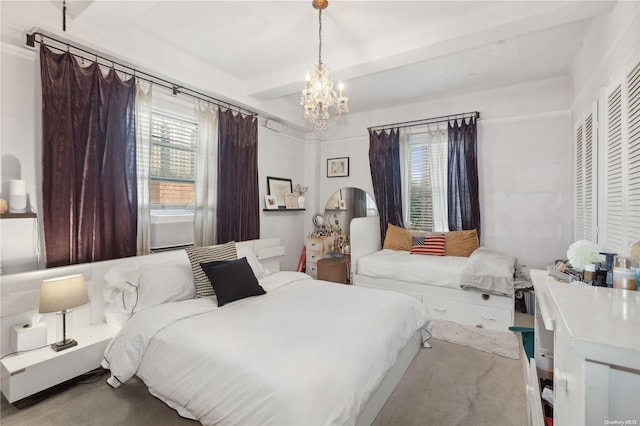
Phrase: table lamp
{"type": "Point", "coordinates": [60, 295]}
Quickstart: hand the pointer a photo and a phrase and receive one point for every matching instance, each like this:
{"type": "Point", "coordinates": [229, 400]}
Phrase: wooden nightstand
{"type": "Point", "coordinates": [27, 373]}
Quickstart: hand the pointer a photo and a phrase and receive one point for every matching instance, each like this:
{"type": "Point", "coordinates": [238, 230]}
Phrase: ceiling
{"type": "Point", "coordinates": [386, 52]}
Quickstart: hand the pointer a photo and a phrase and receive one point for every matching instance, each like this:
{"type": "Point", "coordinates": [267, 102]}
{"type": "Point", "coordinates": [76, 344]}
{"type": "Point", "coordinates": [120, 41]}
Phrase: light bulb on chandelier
{"type": "Point", "coordinates": [318, 94]}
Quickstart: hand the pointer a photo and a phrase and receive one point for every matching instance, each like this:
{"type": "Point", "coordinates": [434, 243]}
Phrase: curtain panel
{"type": "Point", "coordinates": [88, 162]}
{"type": "Point", "coordinates": [143, 158]}
{"type": "Point", "coordinates": [238, 213]}
{"type": "Point", "coordinates": [204, 229]}
{"type": "Point", "coordinates": [384, 162]}
{"type": "Point", "coordinates": [462, 181]}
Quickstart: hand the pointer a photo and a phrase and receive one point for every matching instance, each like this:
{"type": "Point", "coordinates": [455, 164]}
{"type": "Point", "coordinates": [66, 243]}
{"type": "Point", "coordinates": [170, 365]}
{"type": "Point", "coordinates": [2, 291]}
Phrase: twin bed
{"type": "Point", "coordinates": [475, 290]}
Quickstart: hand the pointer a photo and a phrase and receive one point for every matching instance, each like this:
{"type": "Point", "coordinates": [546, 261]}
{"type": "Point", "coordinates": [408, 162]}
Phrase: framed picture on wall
{"type": "Point", "coordinates": [338, 167]}
{"type": "Point", "coordinates": [278, 187]}
{"type": "Point", "coordinates": [270, 202]}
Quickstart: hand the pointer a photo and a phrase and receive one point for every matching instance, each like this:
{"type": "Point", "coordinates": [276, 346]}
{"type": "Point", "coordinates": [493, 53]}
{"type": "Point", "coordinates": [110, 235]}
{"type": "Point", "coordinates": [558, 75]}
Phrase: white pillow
{"type": "Point", "coordinates": [256, 266]}
{"type": "Point", "coordinates": [132, 289]}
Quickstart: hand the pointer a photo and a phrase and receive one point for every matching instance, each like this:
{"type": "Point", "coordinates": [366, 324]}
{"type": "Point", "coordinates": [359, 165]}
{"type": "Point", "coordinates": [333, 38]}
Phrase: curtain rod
{"type": "Point", "coordinates": [441, 119]}
{"type": "Point", "coordinates": [134, 72]}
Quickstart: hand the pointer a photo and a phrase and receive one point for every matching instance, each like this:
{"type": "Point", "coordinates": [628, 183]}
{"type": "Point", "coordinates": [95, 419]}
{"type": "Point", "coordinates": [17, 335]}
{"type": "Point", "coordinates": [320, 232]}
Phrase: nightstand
{"type": "Point", "coordinates": [27, 373]}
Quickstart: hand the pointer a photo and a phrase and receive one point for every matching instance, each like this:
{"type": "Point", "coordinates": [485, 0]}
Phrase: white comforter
{"type": "Point", "coordinates": [441, 271]}
{"type": "Point", "coordinates": [306, 353]}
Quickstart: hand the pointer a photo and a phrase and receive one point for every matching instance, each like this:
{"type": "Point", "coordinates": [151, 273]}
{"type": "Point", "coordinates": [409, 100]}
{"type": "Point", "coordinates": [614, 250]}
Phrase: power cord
{"type": "Point", "coordinates": [26, 350]}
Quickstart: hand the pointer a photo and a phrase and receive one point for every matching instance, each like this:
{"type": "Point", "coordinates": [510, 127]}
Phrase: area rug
{"type": "Point", "coordinates": [503, 343]}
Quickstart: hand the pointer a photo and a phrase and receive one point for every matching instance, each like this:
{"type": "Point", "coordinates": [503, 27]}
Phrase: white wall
{"type": "Point", "coordinates": [612, 42]}
{"type": "Point", "coordinates": [524, 163]}
{"type": "Point", "coordinates": [20, 154]}
{"type": "Point", "coordinates": [281, 155]}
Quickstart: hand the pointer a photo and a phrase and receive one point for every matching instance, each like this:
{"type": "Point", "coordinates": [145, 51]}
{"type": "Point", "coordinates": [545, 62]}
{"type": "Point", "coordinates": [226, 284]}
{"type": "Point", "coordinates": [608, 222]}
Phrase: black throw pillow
{"type": "Point", "coordinates": [232, 280]}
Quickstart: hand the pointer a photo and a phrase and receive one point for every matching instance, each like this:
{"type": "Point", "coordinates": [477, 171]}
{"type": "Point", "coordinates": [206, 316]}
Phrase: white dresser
{"type": "Point", "coordinates": [316, 248]}
{"type": "Point", "coordinates": [595, 353]}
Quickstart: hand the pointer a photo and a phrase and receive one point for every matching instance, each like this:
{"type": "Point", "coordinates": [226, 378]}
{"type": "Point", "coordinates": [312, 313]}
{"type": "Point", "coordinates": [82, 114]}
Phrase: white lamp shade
{"type": "Point", "coordinates": [60, 294]}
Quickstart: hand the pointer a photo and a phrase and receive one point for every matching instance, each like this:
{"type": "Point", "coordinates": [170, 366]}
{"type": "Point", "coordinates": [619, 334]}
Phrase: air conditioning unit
{"type": "Point", "coordinates": [273, 125]}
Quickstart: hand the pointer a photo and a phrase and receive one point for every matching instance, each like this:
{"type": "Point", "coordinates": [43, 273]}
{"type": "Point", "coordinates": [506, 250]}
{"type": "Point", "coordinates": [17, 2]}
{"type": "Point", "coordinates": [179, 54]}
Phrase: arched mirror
{"type": "Point", "coordinates": [344, 205]}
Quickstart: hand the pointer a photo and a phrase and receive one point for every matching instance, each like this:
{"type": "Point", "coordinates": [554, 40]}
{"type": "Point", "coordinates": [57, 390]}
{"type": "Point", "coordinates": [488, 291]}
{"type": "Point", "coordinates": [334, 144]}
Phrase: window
{"type": "Point", "coordinates": [173, 159]}
{"type": "Point", "coordinates": [428, 181]}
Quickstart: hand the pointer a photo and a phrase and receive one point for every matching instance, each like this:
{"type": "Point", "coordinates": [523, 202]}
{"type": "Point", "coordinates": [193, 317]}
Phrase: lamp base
{"type": "Point", "coordinates": [64, 344]}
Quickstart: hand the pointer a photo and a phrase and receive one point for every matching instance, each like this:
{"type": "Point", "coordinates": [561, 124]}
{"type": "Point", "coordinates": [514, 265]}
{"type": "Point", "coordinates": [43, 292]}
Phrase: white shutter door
{"type": "Point", "coordinates": [633, 154]}
{"type": "Point", "coordinates": [579, 202]}
{"type": "Point", "coordinates": [588, 179]}
{"type": "Point", "coordinates": [613, 197]}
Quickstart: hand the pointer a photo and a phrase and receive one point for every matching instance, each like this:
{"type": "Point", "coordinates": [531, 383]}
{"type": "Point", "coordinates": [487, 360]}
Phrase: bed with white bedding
{"type": "Point", "coordinates": [475, 290]}
{"type": "Point", "coordinates": [306, 352]}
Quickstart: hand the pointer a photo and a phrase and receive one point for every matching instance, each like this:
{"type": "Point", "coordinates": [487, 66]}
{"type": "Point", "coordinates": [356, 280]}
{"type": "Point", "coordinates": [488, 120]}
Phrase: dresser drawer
{"type": "Point", "coordinates": [490, 317]}
{"type": "Point", "coordinates": [315, 244]}
{"type": "Point", "coordinates": [312, 269]}
{"type": "Point", "coordinates": [314, 255]}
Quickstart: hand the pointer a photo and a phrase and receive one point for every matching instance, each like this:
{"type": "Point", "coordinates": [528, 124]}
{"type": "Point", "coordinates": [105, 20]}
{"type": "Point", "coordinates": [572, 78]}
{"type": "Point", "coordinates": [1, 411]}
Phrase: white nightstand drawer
{"type": "Point", "coordinates": [31, 372]}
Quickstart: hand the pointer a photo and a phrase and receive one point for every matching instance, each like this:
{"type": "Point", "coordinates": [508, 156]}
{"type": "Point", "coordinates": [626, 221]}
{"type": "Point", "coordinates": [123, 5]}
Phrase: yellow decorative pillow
{"type": "Point", "coordinates": [397, 238]}
{"type": "Point", "coordinates": [461, 243]}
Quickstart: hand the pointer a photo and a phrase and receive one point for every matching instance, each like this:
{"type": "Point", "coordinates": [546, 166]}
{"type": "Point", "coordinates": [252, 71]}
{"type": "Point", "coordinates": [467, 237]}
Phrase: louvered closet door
{"type": "Point", "coordinates": [613, 187]}
{"type": "Point", "coordinates": [579, 206]}
{"type": "Point", "coordinates": [633, 154]}
{"type": "Point", "coordinates": [585, 191]}
{"type": "Point", "coordinates": [589, 187]}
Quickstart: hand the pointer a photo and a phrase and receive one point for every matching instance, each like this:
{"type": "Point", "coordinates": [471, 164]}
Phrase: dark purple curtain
{"type": "Point", "coordinates": [238, 197]}
{"type": "Point", "coordinates": [462, 180]}
{"type": "Point", "coordinates": [384, 162]}
{"type": "Point", "coordinates": [88, 162]}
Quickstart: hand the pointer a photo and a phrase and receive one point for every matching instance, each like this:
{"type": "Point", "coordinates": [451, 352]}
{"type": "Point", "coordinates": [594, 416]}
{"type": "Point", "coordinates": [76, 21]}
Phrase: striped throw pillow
{"type": "Point", "coordinates": [433, 245]}
{"type": "Point", "coordinates": [204, 255]}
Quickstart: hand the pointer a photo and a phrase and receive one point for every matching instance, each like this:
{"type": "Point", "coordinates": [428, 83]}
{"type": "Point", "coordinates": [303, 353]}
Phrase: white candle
{"type": "Point", "coordinates": [17, 195]}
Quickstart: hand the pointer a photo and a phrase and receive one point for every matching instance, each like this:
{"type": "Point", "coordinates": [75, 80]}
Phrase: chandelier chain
{"type": "Point", "coordinates": [320, 37]}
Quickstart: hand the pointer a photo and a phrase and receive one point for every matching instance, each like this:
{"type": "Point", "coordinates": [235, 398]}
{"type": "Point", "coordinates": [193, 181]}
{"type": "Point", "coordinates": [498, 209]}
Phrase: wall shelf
{"type": "Point", "coordinates": [26, 215]}
{"type": "Point", "coordinates": [283, 210]}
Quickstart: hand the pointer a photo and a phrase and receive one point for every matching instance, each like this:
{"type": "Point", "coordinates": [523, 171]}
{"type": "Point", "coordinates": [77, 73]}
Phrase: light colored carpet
{"type": "Point", "coordinates": [448, 384]}
{"type": "Point", "coordinates": [503, 343]}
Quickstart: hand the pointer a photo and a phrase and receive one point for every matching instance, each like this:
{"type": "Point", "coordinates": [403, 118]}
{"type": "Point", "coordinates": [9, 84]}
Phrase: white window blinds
{"type": "Point", "coordinates": [428, 164]}
{"type": "Point", "coordinates": [173, 158]}
{"type": "Point", "coordinates": [421, 203]}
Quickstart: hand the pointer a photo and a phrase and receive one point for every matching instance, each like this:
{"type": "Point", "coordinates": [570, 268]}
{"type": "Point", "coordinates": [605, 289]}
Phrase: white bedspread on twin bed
{"type": "Point", "coordinates": [306, 353]}
{"type": "Point", "coordinates": [442, 271]}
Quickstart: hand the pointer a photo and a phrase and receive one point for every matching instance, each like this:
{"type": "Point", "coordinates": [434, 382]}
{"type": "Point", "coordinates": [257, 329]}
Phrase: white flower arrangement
{"type": "Point", "coordinates": [582, 253]}
{"type": "Point", "coordinates": [301, 189]}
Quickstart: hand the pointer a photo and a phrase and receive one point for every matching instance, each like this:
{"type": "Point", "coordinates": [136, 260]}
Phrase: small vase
{"type": "Point", "coordinates": [301, 201]}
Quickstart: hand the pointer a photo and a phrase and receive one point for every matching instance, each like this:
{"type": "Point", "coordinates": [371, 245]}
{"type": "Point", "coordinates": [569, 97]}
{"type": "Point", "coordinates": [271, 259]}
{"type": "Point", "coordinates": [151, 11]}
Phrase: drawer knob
{"type": "Point", "coordinates": [487, 318]}
{"type": "Point", "coordinates": [440, 309]}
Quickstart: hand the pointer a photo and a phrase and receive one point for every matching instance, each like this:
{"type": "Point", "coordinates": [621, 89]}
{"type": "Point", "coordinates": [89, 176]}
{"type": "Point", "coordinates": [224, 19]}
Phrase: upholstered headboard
{"type": "Point", "coordinates": [20, 293]}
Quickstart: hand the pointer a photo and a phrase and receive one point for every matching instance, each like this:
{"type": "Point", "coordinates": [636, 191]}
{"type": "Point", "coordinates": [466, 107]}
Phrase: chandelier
{"type": "Point", "coordinates": [318, 94]}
